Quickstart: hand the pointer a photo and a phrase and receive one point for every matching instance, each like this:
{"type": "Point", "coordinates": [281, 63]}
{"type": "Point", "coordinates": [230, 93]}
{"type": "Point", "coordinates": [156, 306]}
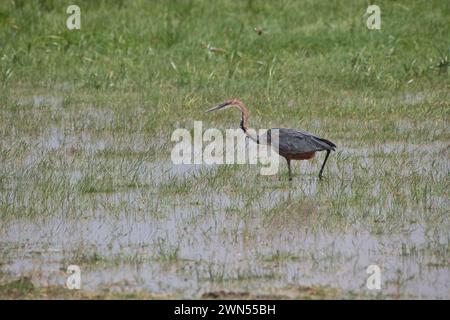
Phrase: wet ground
{"type": "Point", "coordinates": [134, 222]}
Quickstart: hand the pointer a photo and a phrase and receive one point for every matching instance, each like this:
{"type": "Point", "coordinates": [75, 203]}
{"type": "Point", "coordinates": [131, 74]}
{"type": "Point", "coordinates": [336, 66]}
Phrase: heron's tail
{"type": "Point", "coordinates": [329, 143]}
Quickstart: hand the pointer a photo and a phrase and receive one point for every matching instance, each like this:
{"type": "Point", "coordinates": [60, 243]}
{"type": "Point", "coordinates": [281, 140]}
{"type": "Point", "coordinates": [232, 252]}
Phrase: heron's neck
{"type": "Point", "coordinates": [244, 117]}
{"type": "Point", "coordinates": [244, 123]}
{"type": "Point", "coordinates": [252, 135]}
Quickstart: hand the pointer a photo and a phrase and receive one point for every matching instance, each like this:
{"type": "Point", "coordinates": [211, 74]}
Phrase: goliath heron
{"type": "Point", "coordinates": [292, 144]}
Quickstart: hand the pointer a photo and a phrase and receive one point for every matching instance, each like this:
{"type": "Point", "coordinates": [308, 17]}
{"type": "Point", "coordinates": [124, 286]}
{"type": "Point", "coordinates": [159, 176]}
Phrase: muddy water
{"type": "Point", "coordinates": [209, 253]}
{"type": "Point", "coordinates": [206, 240]}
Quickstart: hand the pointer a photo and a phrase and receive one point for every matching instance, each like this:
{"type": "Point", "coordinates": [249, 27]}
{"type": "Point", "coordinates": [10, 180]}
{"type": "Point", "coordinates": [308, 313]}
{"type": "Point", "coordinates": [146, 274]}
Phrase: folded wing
{"type": "Point", "coordinates": [293, 142]}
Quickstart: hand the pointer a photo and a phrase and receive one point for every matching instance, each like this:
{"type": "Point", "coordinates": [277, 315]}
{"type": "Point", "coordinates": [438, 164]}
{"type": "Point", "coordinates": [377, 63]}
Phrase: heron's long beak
{"type": "Point", "coordinates": [220, 106]}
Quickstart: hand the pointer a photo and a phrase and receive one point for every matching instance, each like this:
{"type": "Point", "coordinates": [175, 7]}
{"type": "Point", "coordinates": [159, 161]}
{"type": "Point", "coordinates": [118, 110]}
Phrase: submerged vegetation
{"type": "Point", "coordinates": [86, 178]}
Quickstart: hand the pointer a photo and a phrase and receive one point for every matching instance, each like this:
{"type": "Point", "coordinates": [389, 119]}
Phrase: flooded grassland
{"type": "Point", "coordinates": [86, 177]}
{"type": "Point", "coordinates": [112, 202]}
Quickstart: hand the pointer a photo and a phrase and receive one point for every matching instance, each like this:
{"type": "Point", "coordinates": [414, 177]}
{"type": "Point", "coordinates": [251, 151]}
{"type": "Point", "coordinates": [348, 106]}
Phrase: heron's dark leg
{"type": "Point", "coordinates": [289, 168]}
{"type": "Point", "coordinates": [323, 165]}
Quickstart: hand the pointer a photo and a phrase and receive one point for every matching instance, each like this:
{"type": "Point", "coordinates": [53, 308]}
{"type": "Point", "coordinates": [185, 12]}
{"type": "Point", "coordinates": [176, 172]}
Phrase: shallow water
{"type": "Point", "coordinates": [205, 237]}
{"type": "Point", "coordinates": [208, 253]}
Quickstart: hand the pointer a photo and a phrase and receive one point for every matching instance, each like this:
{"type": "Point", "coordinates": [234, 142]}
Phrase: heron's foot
{"type": "Point", "coordinates": [321, 177]}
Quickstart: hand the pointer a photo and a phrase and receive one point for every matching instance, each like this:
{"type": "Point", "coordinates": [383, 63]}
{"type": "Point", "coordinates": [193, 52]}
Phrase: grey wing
{"type": "Point", "coordinates": [293, 141]}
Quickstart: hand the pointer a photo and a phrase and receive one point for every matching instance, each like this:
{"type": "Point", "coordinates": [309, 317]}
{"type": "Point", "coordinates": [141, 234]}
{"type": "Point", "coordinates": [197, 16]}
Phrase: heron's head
{"type": "Point", "coordinates": [225, 105]}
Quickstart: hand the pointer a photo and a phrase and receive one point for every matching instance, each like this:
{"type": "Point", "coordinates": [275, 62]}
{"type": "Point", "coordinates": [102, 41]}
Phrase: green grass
{"type": "Point", "coordinates": [86, 119]}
